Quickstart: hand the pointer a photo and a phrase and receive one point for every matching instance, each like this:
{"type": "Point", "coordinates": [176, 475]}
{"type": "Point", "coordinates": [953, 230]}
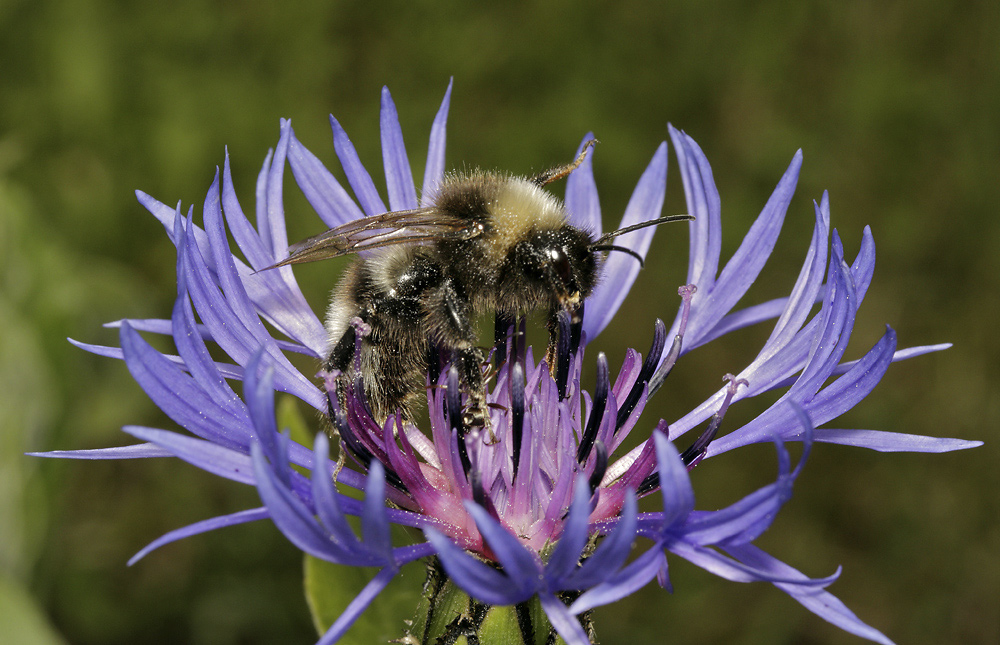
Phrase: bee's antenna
{"type": "Point", "coordinates": [612, 247]}
{"type": "Point", "coordinates": [635, 227]}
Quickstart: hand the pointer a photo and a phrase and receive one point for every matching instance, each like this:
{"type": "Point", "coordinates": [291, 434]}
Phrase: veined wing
{"type": "Point", "coordinates": [418, 226]}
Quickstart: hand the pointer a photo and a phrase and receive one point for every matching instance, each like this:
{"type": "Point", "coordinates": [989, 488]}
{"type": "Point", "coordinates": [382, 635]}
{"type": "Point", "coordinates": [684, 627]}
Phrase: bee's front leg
{"type": "Point", "coordinates": [448, 317]}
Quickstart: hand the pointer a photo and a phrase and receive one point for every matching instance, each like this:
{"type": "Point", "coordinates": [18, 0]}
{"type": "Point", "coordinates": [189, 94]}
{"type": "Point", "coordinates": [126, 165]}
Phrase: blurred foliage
{"type": "Point", "coordinates": [895, 104]}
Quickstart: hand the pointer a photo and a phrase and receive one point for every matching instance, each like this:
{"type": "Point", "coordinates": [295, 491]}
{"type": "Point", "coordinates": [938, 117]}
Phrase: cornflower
{"type": "Point", "coordinates": [540, 512]}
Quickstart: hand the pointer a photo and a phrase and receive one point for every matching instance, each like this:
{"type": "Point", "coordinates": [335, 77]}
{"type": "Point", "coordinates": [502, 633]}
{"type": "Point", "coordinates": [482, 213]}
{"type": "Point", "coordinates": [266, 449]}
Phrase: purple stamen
{"type": "Point", "coordinates": [563, 353]}
{"type": "Point", "coordinates": [648, 367]}
{"type": "Point", "coordinates": [696, 452]}
{"type": "Point", "coordinates": [517, 413]}
{"type": "Point", "coordinates": [686, 293]}
{"type": "Point", "coordinates": [596, 412]}
{"type": "Point", "coordinates": [600, 467]}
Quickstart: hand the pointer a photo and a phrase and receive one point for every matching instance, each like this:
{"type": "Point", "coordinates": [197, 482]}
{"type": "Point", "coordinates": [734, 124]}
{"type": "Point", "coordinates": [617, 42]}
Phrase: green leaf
{"type": "Point", "coordinates": [331, 587]}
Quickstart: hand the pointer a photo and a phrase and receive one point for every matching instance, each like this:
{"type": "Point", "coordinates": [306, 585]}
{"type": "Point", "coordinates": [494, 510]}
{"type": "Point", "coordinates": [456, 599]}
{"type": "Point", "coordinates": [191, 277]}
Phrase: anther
{"type": "Point", "coordinates": [648, 367]}
{"type": "Point", "coordinates": [600, 466]}
{"type": "Point", "coordinates": [516, 413]}
{"type": "Point", "coordinates": [597, 411]}
{"type": "Point", "coordinates": [563, 353]}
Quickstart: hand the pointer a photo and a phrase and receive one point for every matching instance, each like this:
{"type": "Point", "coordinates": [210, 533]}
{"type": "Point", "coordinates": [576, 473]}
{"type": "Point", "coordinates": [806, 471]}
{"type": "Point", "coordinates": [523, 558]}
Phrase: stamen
{"type": "Point", "coordinates": [600, 467]}
{"type": "Point", "coordinates": [576, 330]}
{"type": "Point", "coordinates": [686, 293]}
{"type": "Point", "coordinates": [475, 478]}
{"type": "Point", "coordinates": [563, 353]}
{"type": "Point", "coordinates": [648, 367]}
{"type": "Point", "coordinates": [696, 452]}
{"type": "Point", "coordinates": [353, 443]}
{"type": "Point", "coordinates": [453, 403]}
{"type": "Point", "coordinates": [503, 327]}
{"type": "Point", "coordinates": [596, 412]}
{"type": "Point", "coordinates": [516, 413]}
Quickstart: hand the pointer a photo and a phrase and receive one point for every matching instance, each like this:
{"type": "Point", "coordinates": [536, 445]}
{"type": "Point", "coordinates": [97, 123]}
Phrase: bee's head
{"type": "Point", "coordinates": [558, 265]}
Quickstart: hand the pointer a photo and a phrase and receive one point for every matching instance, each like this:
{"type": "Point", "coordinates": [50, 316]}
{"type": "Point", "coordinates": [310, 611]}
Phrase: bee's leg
{"type": "Point", "coordinates": [447, 313]}
{"type": "Point", "coordinates": [554, 174]}
{"type": "Point", "coordinates": [342, 353]}
{"type": "Point", "coordinates": [476, 414]}
{"type": "Point", "coordinates": [552, 325]}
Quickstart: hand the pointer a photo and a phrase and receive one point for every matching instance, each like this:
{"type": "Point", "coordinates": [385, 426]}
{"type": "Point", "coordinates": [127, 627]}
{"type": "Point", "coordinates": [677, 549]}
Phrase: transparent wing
{"type": "Point", "coordinates": [418, 226]}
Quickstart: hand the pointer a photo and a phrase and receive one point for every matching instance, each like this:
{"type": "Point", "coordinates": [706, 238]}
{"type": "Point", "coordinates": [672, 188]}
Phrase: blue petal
{"type": "Point", "coordinates": [565, 624]}
{"type": "Point", "coordinates": [704, 204]}
{"type": "Point", "coordinates": [620, 269]}
{"type": "Point", "coordinates": [477, 579]}
{"type": "Point", "coordinates": [575, 534]}
{"type": "Point", "coordinates": [582, 203]}
{"type": "Point", "coordinates": [357, 176]}
{"type": "Point", "coordinates": [296, 521]}
{"type": "Point", "coordinates": [179, 396]}
{"type": "Point", "coordinates": [708, 306]}
{"type": "Point", "coordinates": [135, 451]}
{"type": "Point", "coordinates": [623, 583]}
{"type": "Point", "coordinates": [882, 441]}
{"type": "Point", "coordinates": [434, 172]}
{"type": "Point", "coordinates": [521, 565]}
{"type": "Point", "coordinates": [322, 190]}
{"type": "Point", "coordinates": [374, 521]}
{"type": "Point", "coordinates": [222, 521]}
{"type": "Point", "coordinates": [206, 455]}
{"type": "Point", "coordinates": [358, 605]}
{"type": "Point", "coordinates": [822, 603]}
{"type": "Point", "coordinates": [675, 484]}
{"type": "Point", "coordinates": [612, 552]}
{"type": "Point", "coordinates": [398, 176]}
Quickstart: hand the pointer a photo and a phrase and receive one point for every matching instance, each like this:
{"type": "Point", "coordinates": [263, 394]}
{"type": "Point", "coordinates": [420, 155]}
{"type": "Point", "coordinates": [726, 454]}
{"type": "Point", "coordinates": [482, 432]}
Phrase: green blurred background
{"type": "Point", "coordinates": [895, 104]}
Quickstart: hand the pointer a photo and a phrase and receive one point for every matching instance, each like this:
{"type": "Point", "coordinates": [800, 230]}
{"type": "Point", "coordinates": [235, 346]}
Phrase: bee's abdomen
{"type": "Point", "coordinates": [387, 293]}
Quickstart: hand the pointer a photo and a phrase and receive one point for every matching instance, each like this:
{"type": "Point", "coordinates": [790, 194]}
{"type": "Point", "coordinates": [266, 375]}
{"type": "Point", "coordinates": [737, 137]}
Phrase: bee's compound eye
{"type": "Point", "coordinates": [561, 265]}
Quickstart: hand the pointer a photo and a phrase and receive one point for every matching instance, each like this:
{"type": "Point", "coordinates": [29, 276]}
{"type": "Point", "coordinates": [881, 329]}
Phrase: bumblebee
{"type": "Point", "coordinates": [488, 242]}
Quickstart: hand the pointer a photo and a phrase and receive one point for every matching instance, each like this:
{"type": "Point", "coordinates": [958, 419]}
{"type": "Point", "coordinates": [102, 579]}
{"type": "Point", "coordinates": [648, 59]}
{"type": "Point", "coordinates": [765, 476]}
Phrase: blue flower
{"type": "Point", "coordinates": [512, 516]}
